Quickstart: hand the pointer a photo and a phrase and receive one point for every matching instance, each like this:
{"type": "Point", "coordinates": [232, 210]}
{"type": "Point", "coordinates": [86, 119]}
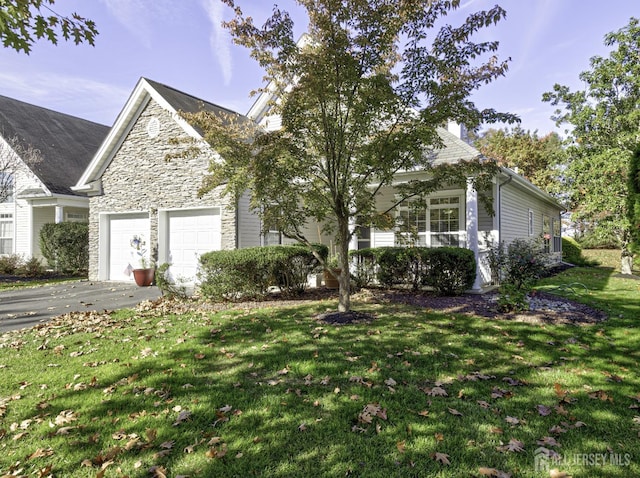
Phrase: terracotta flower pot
{"type": "Point", "coordinates": [144, 277]}
{"type": "Point", "coordinates": [331, 282]}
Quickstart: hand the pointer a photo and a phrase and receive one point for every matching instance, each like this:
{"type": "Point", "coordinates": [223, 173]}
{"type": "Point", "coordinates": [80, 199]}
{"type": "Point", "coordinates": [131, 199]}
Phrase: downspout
{"type": "Point", "coordinates": [507, 181]}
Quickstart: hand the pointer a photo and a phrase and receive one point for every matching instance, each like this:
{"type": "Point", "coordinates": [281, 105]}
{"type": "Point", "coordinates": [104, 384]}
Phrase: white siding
{"type": "Point", "coordinates": [24, 233]}
{"type": "Point", "coordinates": [248, 224]}
{"type": "Point", "coordinates": [515, 207]}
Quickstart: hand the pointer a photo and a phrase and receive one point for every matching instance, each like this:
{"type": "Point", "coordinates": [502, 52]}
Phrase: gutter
{"type": "Point", "coordinates": [507, 181]}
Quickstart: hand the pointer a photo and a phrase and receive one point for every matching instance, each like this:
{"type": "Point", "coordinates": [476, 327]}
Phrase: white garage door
{"type": "Point", "coordinates": [192, 233]}
{"type": "Point", "coordinates": [122, 228]}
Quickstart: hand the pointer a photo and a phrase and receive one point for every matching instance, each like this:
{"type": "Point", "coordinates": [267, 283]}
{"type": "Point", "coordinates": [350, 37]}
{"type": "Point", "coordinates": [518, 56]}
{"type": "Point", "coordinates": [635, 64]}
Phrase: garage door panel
{"type": "Point", "coordinates": [191, 234]}
{"type": "Point", "coordinates": [122, 228]}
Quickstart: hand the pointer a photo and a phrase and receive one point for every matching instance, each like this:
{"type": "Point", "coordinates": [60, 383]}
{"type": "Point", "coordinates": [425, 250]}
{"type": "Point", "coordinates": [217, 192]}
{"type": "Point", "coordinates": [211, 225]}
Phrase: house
{"type": "Point", "coordinates": [42, 155]}
{"type": "Point", "coordinates": [453, 217]}
{"type": "Point", "coordinates": [134, 190]}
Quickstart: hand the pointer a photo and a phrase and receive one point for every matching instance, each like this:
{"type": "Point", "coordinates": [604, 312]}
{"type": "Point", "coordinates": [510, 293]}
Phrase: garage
{"type": "Point", "coordinates": [122, 228]}
{"type": "Point", "coordinates": [191, 233]}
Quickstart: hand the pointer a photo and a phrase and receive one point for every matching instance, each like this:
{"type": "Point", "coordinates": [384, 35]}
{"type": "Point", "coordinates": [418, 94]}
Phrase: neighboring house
{"type": "Point", "coordinates": [134, 190]}
{"type": "Point", "coordinates": [42, 154]}
{"type": "Point", "coordinates": [453, 217]}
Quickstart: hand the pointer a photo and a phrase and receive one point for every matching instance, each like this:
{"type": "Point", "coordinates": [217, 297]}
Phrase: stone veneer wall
{"type": "Point", "coordinates": [140, 179]}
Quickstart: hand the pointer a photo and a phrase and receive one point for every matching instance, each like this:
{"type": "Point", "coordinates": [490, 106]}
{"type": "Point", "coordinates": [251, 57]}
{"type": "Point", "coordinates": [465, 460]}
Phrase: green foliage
{"type": "Point", "coordinates": [448, 270]}
{"type": "Point", "coordinates": [536, 158]}
{"type": "Point", "coordinates": [364, 264]}
{"type": "Point", "coordinates": [169, 288]}
{"type": "Point", "coordinates": [519, 266]}
{"type": "Point", "coordinates": [32, 268]}
{"type": "Point", "coordinates": [24, 22]}
{"type": "Point", "coordinates": [10, 264]}
{"type": "Point", "coordinates": [65, 246]}
{"type": "Point", "coordinates": [604, 120]}
{"type": "Point", "coordinates": [633, 200]}
{"type": "Point", "coordinates": [249, 273]}
{"type": "Point", "coordinates": [451, 270]}
{"type": "Point", "coordinates": [572, 253]}
{"type": "Point", "coordinates": [360, 99]}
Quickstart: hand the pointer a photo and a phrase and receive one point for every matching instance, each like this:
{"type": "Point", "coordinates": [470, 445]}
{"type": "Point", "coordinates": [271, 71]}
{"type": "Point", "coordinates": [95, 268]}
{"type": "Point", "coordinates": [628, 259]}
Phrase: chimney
{"type": "Point", "coordinates": [458, 130]}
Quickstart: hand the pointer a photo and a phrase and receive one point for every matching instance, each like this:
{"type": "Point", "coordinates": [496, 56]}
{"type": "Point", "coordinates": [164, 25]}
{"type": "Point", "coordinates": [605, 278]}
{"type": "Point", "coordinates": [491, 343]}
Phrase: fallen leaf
{"type": "Point", "coordinates": [555, 473]}
{"type": "Point", "coordinates": [441, 457]}
{"type": "Point", "coordinates": [455, 412]}
{"type": "Point", "coordinates": [401, 445]}
{"type": "Point", "coordinates": [514, 445]}
{"type": "Point", "coordinates": [543, 410]}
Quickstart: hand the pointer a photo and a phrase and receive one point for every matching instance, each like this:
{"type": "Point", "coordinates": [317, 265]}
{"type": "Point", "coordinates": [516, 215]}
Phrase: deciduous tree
{"type": "Point", "coordinates": [360, 100]}
{"type": "Point", "coordinates": [22, 22]}
{"type": "Point", "coordinates": [604, 120]}
{"type": "Point", "coordinates": [539, 159]}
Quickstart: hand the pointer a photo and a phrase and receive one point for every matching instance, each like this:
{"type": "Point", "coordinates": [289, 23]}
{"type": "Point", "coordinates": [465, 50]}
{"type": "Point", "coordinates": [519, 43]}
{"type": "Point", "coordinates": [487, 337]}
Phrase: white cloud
{"type": "Point", "coordinates": [81, 97]}
{"type": "Point", "coordinates": [219, 39]}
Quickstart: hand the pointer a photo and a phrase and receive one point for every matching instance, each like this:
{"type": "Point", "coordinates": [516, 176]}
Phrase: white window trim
{"type": "Point", "coordinates": [9, 218]}
{"type": "Point", "coordinates": [462, 232]}
{"type": "Point", "coordinates": [531, 222]}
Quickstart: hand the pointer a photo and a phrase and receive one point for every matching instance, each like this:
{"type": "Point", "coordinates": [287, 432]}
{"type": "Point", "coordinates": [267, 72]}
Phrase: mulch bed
{"type": "Point", "coordinates": [480, 305]}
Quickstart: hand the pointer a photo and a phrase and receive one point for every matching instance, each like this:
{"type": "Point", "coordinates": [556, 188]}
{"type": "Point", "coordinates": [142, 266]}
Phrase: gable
{"type": "Point", "coordinates": [171, 100]}
{"type": "Point", "coordinates": [65, 143]}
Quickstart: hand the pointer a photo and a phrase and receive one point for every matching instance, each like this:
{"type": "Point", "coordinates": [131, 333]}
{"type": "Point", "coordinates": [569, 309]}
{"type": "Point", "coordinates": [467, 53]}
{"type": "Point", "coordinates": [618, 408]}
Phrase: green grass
{"type": "Point", "coordinates": [273, 392]}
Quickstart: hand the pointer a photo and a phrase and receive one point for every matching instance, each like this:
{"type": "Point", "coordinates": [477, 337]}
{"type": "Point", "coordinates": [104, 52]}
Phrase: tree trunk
{"type": "Point", "coordinates": [626, 263]}
{"type": "Point", "coordinates": [344, 294]}
{"type": "Point", "coordinates": [626, 256]}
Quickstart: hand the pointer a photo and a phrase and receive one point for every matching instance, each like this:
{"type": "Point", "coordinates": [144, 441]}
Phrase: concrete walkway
{"type": "Point", "coordinates": [28, 306]}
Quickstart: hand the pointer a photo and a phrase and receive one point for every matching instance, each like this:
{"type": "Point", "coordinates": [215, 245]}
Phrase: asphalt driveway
{"type": "Point", "coordinates": [28, 306]}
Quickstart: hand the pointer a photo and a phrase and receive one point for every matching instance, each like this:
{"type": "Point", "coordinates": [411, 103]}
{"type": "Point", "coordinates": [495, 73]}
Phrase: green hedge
{"type": "Point", "coordinates": [249, 273]}
{"type": "Point", "coordinates": [449, 270]}
{"type": "Point", "coordinates": [65, 246]}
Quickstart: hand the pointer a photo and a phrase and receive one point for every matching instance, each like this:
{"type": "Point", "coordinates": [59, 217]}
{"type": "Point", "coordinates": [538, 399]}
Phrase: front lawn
{"type": "Point", "coordinates": [274, 392]}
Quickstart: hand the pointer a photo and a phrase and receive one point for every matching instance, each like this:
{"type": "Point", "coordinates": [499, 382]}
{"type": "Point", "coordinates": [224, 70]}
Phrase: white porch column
{"type": "Point", "coordinates": [472, 229]}
{"type": "Point", "coordinates": [59, 214]}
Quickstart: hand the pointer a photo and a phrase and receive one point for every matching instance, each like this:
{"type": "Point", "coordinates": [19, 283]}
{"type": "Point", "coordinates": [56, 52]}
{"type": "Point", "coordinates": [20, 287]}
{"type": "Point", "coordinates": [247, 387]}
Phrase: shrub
{"type": "Point", "coordinates": [169, 287]}
{"type": "Point", "coordinates": [10, 264]}
{"type": "Point", "coordinates": [364, 266]}
{"type": "Point", "coordinates": [32, 268]}
{"type": "Point", "coordinates": [450, 271]}
{"type": "Point", "coordinates": [572, 253]}
{"type": "Point", "coordinates": [521, 264]}
{"type": "Point", "coordinates": [249, 273]}
{"type": "Point", "coordinates": [65, 245]}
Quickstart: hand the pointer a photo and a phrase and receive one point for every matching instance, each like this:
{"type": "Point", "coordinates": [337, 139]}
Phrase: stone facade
{"type": "Point", "coordinates": [141, 179]}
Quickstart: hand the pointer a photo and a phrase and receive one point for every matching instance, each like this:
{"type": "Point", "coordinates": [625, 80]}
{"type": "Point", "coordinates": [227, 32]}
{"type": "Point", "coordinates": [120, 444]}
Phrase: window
{"type": "Point", "coordinates": [435, 226]}
{"type": "Point", "coordinates": [530, 222]}
{"type": "Point", "coordinates": [444, 221]}
{"type": "Point", "coordinates": [272, 236]}
{"type": "Point", "coordinates": [77, 217]}
{"type": "Point", "coordinates": [6, 233]}
{"type": "Point", "coordinates": [557, 234]}
{"type": "Point", "coordinates": [546, 233]}
{"type": "Point", "coordinates": [363, 233]}
{"type": "Point", "coordinates": [413, 224]}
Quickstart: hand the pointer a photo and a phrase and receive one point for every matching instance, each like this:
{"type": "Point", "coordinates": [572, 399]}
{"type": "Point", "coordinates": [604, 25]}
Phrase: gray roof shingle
{"type": "Point", "coordinates": [66, 143]}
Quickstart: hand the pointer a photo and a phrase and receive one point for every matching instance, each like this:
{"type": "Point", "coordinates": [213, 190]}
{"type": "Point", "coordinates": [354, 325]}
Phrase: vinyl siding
{"type": "Point", "coordinates": [248, 224]}
{"type": "Point", "coordinates": [515, 207]}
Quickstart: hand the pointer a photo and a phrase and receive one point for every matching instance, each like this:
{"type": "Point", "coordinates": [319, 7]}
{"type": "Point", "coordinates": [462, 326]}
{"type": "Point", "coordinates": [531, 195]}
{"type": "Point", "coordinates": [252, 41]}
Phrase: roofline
{"type": "Point", "coordinates": [139, 98]}
{"type": "Point", "coordinates": [528, 185]}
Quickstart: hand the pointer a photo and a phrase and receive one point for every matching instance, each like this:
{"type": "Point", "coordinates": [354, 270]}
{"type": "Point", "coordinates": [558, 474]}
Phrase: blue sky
{"type": "Point", "coordinates": [180, 43]}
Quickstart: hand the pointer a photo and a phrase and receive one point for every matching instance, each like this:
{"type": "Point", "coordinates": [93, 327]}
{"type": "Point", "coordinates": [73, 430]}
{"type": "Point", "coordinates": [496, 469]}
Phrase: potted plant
{"type": "Point", "coordinates": [331, 273]}
{"type": "Point", "coordinates": [143, 270]}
